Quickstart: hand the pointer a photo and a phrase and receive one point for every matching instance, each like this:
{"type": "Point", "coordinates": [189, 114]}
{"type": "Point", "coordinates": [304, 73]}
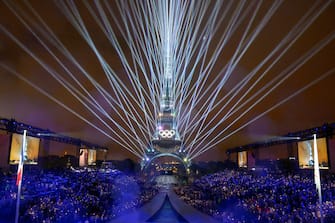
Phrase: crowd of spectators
{"type": "Point", "coordinates": [249, 196]}
{"type": "Point", "coordinates": [100, 195]}
{"type": "Point", "coordinates": [73, 195]}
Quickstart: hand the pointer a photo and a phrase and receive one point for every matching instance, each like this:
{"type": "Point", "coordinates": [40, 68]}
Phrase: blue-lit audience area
{"type": "Point", "coordinates": [273, 181]}
{"type": "Point", "coordinates": [72, 195]}
{"type": "Point", "coordinates": [261, 196]}
{"type": "Point", "coordinates": [104, 194]}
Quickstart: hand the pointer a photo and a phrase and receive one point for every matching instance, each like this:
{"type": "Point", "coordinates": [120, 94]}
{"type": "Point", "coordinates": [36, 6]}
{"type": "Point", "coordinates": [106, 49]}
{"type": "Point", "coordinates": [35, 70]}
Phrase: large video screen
{"type": "Point", "coordinates": [87, 157]}
{"type": "Point", "coordinates": [92, 157]}
{"type": "Point", "coordinates": [31, 155]}
{"type": "Point", "coordinates": [306, 153]}
{"type": "Point", "coordinates": [242, 159]}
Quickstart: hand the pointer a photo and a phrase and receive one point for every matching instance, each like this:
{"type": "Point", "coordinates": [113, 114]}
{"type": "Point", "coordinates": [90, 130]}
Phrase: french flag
{"type": "Point", "coordinates": [19, 175]}
{"type": "Point", "coordinates": [20, 166]}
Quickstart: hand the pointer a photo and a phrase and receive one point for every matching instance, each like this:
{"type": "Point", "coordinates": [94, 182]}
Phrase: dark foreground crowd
{"type": "Point", "coordinates": [86, 195]}
{"type": "Point", "coordinates": [244, 196]}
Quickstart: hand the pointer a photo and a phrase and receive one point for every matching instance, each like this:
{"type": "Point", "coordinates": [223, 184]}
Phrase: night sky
{"type": "Point", "coordinates": [313, 107]}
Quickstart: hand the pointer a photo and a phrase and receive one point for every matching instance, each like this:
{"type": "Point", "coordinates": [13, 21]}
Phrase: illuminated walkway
{"type": "Point", "coordinates": [167, 213]}
{"type": "Point", "coordinates": [166, 207]}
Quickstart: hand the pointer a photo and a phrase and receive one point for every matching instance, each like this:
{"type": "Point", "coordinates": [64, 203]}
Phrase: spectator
{"type": "Point", "coordinates": [243, 196]}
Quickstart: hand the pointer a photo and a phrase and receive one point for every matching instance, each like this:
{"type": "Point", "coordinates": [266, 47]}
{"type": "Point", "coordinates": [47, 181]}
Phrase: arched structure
{"type": "Point", "coordinates": [179, 156]}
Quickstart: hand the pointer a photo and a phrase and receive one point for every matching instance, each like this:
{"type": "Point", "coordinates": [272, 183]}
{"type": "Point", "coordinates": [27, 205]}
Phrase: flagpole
{"type": "Point", "coordinates": [317, 180]}
{"type": "Point", "coordinates": [20, 175]}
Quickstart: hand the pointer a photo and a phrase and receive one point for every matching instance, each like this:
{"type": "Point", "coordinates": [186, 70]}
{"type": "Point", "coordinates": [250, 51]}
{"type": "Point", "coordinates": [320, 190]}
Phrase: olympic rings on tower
{"type": "Point", "coordinates": [167, 133]}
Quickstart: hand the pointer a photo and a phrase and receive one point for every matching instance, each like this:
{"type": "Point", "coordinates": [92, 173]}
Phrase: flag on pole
{"type": "Point", "coordinates": [19, 175]}
{"type": "Point", "coordinates": [317, 169]}
{"type": "Point", "coordinates": [317, 179]}
{"type": "Point", "coordinates": [22, 151]}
